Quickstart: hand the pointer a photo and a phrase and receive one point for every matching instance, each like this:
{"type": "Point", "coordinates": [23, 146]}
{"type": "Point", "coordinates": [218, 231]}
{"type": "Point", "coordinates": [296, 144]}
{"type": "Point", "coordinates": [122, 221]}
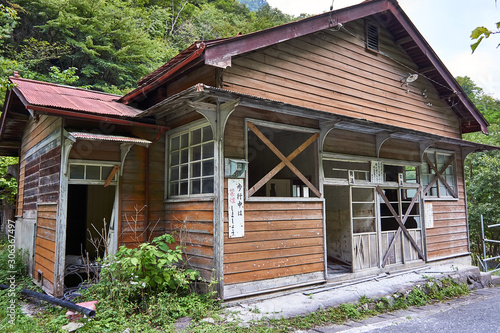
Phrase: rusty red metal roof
{"type": "Point", "coordinates": [52, 95]}
{"type": "Point", "coordinates": [105, 137]}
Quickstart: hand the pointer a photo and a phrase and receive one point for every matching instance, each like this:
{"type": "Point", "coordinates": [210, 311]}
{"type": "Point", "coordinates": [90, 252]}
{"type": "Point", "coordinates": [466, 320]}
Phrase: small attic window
{"type": "Point", "coordinates": [371, 35]}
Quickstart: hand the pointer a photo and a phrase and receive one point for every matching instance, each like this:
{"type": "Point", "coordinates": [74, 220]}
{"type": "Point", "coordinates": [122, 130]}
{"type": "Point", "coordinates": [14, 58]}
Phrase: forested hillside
{"type": "Point", "coordinates": [109, 44]}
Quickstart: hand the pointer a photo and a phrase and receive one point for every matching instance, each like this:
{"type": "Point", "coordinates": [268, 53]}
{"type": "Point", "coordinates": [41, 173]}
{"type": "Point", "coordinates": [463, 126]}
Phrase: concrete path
{"type": "Point", "coordinates": [306, 300]}
{"type": "Point", "coordinates": [474, 313]}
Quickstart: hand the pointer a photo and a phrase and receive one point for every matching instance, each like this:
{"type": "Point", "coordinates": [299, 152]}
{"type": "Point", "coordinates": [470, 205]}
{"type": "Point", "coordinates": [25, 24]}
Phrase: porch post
{"type": "Point", "coordinates": [217, 115]}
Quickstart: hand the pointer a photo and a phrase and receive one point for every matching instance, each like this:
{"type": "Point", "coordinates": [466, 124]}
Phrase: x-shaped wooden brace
{"type": "Point", "coordinates": [284, 161]}
{"type": "Point", "coordinates": [401, 224]}
{"type": "Point", "coordinates": [439, 175]}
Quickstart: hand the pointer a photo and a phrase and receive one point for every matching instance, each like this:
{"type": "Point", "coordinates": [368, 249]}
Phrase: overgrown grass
{"type": "Point", "coordinates": [122, 304]}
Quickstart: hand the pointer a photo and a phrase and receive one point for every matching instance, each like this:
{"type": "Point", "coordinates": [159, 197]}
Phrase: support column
{"type": "Point", "coordinates": [217, 115]}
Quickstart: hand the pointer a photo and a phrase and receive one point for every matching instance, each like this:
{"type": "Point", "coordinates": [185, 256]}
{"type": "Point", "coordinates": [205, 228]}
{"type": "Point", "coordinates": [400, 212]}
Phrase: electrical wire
{"type": "Point", "coordinates": [398, 62]}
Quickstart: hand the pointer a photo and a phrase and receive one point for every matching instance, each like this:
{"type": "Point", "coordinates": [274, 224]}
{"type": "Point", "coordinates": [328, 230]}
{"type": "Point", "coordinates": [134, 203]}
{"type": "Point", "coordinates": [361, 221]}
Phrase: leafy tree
{"type": "Point", "coordinates": [481, 33]}
{"type": "Point", "coordinates": [482, 172]}
{"type": "Point", "coordinates": [254, 5]}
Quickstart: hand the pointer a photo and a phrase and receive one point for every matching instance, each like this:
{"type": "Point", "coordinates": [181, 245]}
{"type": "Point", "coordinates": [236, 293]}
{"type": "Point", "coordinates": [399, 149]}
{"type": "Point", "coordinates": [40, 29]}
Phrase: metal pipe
{"type": "Point", "coordinates": [44, 297]}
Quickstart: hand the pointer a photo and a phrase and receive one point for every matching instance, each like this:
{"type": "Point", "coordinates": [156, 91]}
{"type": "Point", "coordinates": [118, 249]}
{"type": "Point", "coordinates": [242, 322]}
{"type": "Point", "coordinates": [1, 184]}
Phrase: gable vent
{"type": "Point", "coordinates": [372, 37]}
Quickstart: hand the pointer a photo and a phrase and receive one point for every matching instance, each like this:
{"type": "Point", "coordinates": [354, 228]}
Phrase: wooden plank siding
{"type": "Point", "coordinates": [39, 170]}
{"type": "Point", "coordinates": [281, 239]}
{"type": "Point", "coordinates": [449, 236]}
{"type": "Point", "coordinates": [133, 199]}
{"type": "Point", "coordinates": [331, 71]}
{"type": "Point", "coordinates": [192, 225]}
{"type": "Point", "coordinates": [46, 244]}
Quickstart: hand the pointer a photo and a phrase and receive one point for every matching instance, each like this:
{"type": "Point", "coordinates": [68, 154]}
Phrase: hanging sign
{"type": "Point", "coordinates": [236, 210]}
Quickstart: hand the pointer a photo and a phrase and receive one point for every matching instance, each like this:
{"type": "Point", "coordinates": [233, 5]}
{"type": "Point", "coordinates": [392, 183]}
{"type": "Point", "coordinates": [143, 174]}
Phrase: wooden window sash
{"type": "Point", "coordinates": [285, 161]}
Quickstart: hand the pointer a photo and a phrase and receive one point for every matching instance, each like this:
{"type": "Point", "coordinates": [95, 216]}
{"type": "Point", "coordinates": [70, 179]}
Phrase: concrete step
{"type": "Point", "coordinates": [486, 280]}
{"type": "Point", "coordinates": [495, 280]}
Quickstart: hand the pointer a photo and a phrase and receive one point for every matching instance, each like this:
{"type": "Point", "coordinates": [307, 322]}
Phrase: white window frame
{"type": "Point", "coordinates": [178, 132]}
{"type": "Point", "coordinates": [439, 195]}
{"type": "Point", "coordinates": [85, 180]}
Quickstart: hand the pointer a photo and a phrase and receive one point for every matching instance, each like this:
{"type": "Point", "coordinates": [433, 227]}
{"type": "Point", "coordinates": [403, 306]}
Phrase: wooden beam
{"type": "Point", "coordinates": [401, 224]}
{"type": "Point", "coordinates": [439, 173]}
{"type": "Point", "coordinates": [289, 164]}
{"type": "Point", "coordinates": [280, 166]}
{"type": "Point", "coordinates": [398, 232]}
{"type": "Point", "coordinates": [111, 175]}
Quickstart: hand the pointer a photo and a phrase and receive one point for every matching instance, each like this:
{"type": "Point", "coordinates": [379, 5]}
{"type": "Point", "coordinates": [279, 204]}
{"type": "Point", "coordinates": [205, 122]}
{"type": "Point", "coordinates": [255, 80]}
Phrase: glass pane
{"type": "Point", "coordinates": [174, 173]}
{"type": "Point", "coordinates": [208, 150]}
{"type": "Point", "coordinates": [196, 170]}
{"type": "Point", "coordinates": [195, 186]}
{"type": "Point", "coordinates": [208, 168]}
{"type": "Point", "coordinates": [184, 140]}
{"type": "Point", "coordinates": [184, 188]}
{"type": "Point", "coordinates": [174, 158]}
{"type": "Point", "coordinates": [207, 134]}
{"type": "Point", "coordinates": [363, 210]}
{"type": "Point", "coordinates": [184, 155]}
{"type": "Point", "coordinates": [196, 153]}
{"type": "Point", "coordinates": [362, 194]}
{"type": "Point", "coordinates": [106, 170]}
{"type": "Point", "coordinates": [208, 185]}
{"type": "Point", "coordinates": [174, 143]}
{"type": "Point", "coordinates": [184, 172]}
{"type": "Point", "coordinates": [363, 225]}
{"type": "Point", "coordinates": [196, 137]}
{"type": "Point", "coordinates": [174, 188]}
{"type": "Point", "coordinates": [93, 172]}
{"type": "Point", "coordinates": [76, 171]}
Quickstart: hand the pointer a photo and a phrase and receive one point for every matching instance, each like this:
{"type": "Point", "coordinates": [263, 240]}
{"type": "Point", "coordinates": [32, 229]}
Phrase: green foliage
{"type": "Point", "coordinates": [482, 171]}
{"type": "Point", "coordinates": [8, 185]}
{"type": "Point", "coordinates": [132, 274]}
{"type": "Point", "coordinates": [254, 5]}
{"type": "Point", "coordinates": [481, 33]}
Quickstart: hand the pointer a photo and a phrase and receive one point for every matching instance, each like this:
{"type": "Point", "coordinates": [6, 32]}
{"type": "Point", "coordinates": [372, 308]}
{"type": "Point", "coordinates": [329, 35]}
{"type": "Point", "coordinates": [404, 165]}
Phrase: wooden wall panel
{"type": "Point", "coordinates": [331, 71]}
{"type": "Point", "coordinates": [192, 225]}
{"type": "Point", "coordinates": [133, 199]}
{"type": "Point", "coordinates": [449, 236]}
{"type": "Point", "coordinates": [45, 244]}
{"type": "Point", "coordinates": [281, 239]}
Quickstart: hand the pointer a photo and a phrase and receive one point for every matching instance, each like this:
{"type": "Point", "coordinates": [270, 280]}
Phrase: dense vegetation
{"type": "Point", "coordinates": [109, 44]}
{"type": "Point", "coordinates": [482, 173]}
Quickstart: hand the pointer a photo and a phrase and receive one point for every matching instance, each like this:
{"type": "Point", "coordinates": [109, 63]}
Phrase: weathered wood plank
{"type": "Point", "coordinates": [256, 265]}
{"type": "Point", "coordinates": [272, 273]}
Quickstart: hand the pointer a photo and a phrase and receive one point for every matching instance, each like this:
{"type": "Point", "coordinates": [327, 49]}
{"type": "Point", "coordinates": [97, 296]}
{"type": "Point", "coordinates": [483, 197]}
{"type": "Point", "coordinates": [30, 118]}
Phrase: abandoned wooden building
{"type": "Point", "coordinates": [325, 149]}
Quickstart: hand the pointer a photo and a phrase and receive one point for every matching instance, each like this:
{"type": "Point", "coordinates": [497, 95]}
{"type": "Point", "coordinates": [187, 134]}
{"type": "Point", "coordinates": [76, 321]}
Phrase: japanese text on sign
{"type": "Point", "coordinates": [236, 210]}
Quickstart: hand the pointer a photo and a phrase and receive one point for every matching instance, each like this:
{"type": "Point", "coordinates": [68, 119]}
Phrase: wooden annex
{"type": "Point", "coordinates": [321, 150]}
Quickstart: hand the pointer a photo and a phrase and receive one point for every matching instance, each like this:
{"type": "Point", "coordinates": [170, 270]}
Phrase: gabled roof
{"type": "Point", "coordinates": [218, 53]}
{"type": "Point", "coordinates": [50, 95]}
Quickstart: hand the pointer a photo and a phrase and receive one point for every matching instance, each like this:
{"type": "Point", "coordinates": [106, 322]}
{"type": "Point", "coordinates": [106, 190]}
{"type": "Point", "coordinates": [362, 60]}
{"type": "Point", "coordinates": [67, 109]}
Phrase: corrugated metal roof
{"type": "Point", "coordinates": [70, 98]}
{"type": "Point", "coordinates": [105, 137]}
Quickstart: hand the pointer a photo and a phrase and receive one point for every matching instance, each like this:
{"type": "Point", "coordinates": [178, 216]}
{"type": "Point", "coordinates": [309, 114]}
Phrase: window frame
{"type": "Point", "coordinates": [178, 132]}
{"type": "Point", "coordinates": [284, 127]}
{"type": "Point", "coordinates": [86, 181]}
{"type": "Point", "coordinates": [454, 175]}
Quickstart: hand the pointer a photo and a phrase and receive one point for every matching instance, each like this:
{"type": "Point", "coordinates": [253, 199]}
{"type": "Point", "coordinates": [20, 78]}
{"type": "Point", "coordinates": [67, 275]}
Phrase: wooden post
{"type": "Point", "coordinates": [217, 115]}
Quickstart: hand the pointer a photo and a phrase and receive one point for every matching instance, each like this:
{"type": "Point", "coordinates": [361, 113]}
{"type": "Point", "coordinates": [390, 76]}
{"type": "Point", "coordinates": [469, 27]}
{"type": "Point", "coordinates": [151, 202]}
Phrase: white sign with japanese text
{"type": "Point", "coordinates": [236, 209]}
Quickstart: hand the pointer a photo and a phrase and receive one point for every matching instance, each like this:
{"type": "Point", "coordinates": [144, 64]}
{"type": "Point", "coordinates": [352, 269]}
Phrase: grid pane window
{"type": "Point", "coordinates": [439, 189]}
{"type": "Point", "coordinates": [191, 162]}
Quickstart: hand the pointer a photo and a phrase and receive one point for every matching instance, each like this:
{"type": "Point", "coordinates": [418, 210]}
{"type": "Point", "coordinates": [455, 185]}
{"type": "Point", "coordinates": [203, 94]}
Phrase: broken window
{"type": "Point", "coordinates": [282, 160]}
{"type": "Point", "coordinates": [352, 172]}
{"type": "Point", "coordinates": [439, 178]}
{"type": "Point", "coordinates": [191, 162]}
